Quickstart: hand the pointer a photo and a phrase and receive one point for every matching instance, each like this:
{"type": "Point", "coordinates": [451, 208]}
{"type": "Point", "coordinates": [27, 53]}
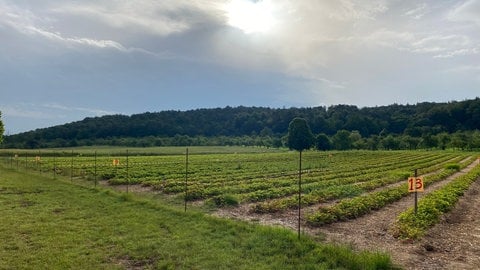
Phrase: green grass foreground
{"type": "Point", "coordinates": [53, 224]}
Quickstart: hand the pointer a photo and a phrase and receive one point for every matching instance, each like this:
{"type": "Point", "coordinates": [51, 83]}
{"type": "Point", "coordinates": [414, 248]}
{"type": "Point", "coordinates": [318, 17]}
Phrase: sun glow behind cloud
{"type": "Point", "coordinates": [251, 17]}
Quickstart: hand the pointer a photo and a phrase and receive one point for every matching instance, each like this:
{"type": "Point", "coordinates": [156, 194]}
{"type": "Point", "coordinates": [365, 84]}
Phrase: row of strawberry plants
{"type": "Point", "coordinates": [206, 166]}
{"type": "Point", "coordinates": [213, 170]}
{"type": "Point", "coordinates": [430, 208]}
{"type": "Point", "coordinates": [358, 206]}
{"type": "Point", "coordinates": [338, 189]}
{"type": "Point", "coordinates": [262, 189]}
{"type": "Point", "coordinates": [261, 174]}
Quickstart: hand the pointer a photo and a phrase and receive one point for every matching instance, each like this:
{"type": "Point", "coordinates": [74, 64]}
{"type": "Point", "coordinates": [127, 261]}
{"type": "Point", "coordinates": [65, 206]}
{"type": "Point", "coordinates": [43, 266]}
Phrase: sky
{"type": "Point", "coordinates": [62, 61]}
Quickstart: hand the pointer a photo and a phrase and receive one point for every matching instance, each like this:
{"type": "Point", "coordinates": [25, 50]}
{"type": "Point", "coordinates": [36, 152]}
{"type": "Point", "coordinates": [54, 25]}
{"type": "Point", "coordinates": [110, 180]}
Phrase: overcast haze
{"type": "Point", "coordinates": [61, 61]}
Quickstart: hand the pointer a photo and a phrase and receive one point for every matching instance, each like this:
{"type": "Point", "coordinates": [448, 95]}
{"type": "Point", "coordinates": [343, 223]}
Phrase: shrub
{"type": "Point", "coordinates": [224, 200]}
{"type": "Point", "coordinates": [453, 166]}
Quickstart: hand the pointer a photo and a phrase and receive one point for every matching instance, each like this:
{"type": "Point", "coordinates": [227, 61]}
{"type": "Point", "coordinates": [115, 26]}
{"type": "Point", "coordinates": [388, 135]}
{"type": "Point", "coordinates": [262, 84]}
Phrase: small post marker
{"type": "Point", "coordinates": [95, 173]}
{"type": "Point", "coordinates": [186, 178]}
{"type": "Point", "coordinates": [128, 181]}
{"type": "Point", "coordinates": [299, 193]}
{"type": "Point", "coordinates": [71, 169]}
{"type": "Point", "coordinates": [415, 184]}
{"type": "Point", "coordinates": [416, 194]}
{"type": "Point", "coordinates": [54, 165]}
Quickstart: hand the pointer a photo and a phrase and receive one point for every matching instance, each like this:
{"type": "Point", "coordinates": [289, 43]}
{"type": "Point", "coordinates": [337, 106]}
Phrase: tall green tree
{"type": "Point", "coordinates": [300, 138]}
{"type": "Point", "coordinates": [341, 140]}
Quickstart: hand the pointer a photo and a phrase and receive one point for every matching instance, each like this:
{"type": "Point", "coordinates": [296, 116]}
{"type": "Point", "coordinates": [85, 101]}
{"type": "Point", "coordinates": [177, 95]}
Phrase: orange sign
{"type": "Point", "coordinates": [116, 162]}
{"type": "Point", "coordinates": [415, 184]}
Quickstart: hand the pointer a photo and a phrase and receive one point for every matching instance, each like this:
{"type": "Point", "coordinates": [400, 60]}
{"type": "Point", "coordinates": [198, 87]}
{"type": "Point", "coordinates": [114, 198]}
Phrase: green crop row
{"type": "Point", "coordinates": [318, 188]}
{"type": "Point", "coordinates": [352, 208]}
{"type": "Point", "coordinates": [347, 187]}
{"type": "Point", "coordinates": [430, 208]}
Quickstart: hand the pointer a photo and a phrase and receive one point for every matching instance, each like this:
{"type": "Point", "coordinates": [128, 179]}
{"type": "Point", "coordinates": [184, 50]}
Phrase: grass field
{"type": "Point", "coordinates": [54, 224]}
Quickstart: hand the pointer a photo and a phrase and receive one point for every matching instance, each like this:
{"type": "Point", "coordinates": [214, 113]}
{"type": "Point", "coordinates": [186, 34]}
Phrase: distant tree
{"type": "Point", "coordinates": [322, 142]}
{"type": "Point", "coordinates": [266, 132]}
{"type": "Point", "coordinates": [1, 129]}
{"type": "Point", "coordinates": [475, 140]}
{"type": "Point", "coordinates": [411, 142]}
{"type": "Point", "coordinates": [443, 140]}
{"type": "Point", "coordinates": [372, 143]}
{"type": "Point", "coordinates": [341, 140]}
{"type": "Point", "coordinates": [277, 142]}
{"type": "Point", "coordinates": [356, 140]}
{"type": "Point", "coordinates": [390, 143]}
{"type": "Point", "coordinates": [429, 141]}
{"type": "Point", "coordinates": [459, 140]}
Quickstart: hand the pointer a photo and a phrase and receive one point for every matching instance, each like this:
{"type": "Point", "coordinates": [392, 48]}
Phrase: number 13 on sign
{"type": "Point", "coordinates": [415, 184]}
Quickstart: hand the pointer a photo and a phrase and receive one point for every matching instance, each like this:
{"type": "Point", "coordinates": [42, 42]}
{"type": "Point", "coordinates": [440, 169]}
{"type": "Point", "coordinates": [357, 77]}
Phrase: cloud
{"type": "Point", "coordinates": [25, 111]}
{"type": "Point", "coordinates": [157, 18]}
{"type": "Point", "coordinates": [468, 11]}
{"type": "Point", "coordinates": [26, 22]}
{"type": "Point", "coordinates": [47, 111]}
{"type": "Point", "coordinates": [435, 45]}
{"type": "Point", "coordinates": [418, 12]}
{"type": "Point", "coordinates": [74, 41]}
{"type": "Point", "coordinates": [90, 111]}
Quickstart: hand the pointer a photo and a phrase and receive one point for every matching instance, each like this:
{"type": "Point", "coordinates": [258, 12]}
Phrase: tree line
{"type": "Point", "coordinates": [423, 125]}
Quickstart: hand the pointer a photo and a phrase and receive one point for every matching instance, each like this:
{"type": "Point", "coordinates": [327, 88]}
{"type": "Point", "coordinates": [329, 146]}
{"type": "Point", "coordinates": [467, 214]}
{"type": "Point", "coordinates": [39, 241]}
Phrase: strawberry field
{"type": "Point", "coordinates": [357, 181]}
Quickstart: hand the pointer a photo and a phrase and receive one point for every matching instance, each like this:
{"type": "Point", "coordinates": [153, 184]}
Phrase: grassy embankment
{"type": "Point", "coordinates": [53, 224]}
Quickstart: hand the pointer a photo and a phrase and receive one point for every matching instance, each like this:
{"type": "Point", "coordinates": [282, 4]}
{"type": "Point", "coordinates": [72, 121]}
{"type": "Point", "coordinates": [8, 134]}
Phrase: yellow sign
{"type": "Point", "coordinates": [415, 184]}
{"type": "Point", "coordinates": [16, 156]}
{"type": "Point", "coordinates": [37, 158]}
{"type": "Point", "coordinates": [116, 162]}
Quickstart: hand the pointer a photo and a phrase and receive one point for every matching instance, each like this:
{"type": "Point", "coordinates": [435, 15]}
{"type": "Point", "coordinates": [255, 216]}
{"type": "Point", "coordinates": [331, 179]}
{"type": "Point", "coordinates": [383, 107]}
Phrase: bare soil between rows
{"type": "Point", "coordinates": [454, 243]}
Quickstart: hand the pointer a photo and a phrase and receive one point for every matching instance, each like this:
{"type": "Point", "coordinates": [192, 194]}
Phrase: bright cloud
{"type": "Point", "coordinates": [251, 17]}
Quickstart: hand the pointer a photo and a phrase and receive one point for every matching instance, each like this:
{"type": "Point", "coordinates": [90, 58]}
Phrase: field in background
{"type": "Point", "coordinates": [143, 151]}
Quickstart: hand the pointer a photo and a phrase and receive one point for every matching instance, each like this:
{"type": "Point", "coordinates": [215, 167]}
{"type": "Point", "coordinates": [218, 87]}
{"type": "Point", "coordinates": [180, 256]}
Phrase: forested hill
{"type": "Point", "coordinates": [417, 120]}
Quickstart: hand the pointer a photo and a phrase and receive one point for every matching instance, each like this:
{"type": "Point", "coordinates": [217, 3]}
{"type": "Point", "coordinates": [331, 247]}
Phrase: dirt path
{"type": "Point", "coordinates": [452, 244]}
